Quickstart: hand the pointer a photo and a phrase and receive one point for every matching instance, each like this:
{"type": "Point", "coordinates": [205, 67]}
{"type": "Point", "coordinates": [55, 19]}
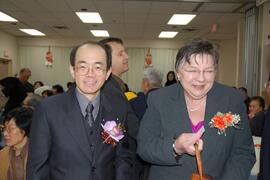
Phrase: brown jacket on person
{"type": "Point", "coordinates": [4, 163]}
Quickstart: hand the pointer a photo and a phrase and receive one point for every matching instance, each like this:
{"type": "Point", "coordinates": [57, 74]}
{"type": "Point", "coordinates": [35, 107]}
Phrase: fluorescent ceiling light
{"type": "Point", "coordinates": [167, 34]}
{"type": "Point", "coordinates": [100, 33]}
{"type": "Point", "coordinates": [33, 32]}
{"type": "Point", "coordinates": [181, 19]}
{"type": "Point", "coordinates": [89, 17]}
{"type": "Point", "coordinates": [5, 17]}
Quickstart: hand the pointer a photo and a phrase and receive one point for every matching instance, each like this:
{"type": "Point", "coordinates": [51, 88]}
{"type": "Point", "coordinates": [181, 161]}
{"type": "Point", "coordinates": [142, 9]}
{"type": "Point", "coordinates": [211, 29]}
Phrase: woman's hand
{"type": "Point", "coordinates": [185, 143]}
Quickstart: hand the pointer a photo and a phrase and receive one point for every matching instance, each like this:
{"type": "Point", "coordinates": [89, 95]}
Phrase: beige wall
{"type": "Point", "coordinates": [227, 65]}
{"type": "Point", "coordinates": [265, 48]}
{"type": "Point", "coordinates": [8, 50]}
{"type": "Point", "coordinates": [227, 69]}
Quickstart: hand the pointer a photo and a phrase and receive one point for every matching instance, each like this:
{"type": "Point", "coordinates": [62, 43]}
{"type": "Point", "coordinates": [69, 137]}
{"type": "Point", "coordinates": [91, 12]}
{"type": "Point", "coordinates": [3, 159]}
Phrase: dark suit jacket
{"type": "Point", "coordinates": [113, 89]}
{"type": "Point", "coordinates": [265, 149]}
{"type": "Point", "coordinates": [139, 104]}
{"type": "Point", "coordinates": [59, 148]}
{"type": "Point", "coordinates": [227, 157]}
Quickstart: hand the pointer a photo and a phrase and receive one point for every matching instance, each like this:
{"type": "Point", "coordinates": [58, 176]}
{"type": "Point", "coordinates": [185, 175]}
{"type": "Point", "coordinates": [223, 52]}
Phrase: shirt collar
{"type": "Point", "coordinates": [83, 102]}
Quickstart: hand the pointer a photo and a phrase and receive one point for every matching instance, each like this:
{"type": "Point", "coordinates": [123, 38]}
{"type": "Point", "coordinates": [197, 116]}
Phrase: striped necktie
{"type": "Point", "coordinates": [89, 114]}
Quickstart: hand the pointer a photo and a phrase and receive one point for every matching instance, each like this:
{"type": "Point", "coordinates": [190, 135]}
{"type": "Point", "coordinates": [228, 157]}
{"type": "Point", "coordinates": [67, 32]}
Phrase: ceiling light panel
{"type": "Point", "coordinates": [89, 17]}
{"type": "Point", "coordinates": [181, 19]}
{"type": "Point", "coordinates": [7, 18]}
{"type": "Point", "coordinates": [32, 32]}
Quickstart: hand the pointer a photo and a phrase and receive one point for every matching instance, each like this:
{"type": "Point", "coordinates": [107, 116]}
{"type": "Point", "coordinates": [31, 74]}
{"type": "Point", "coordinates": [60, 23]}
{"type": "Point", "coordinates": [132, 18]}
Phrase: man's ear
{"type": "Point", "coordinates": [71, 69]}
{"type": "Point", "coordinates": [108, 73]}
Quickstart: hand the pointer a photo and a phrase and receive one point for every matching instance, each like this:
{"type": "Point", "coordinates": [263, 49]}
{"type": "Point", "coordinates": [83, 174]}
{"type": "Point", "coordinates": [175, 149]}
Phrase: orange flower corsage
{"type": "Point", "coordinates": [221, 121]}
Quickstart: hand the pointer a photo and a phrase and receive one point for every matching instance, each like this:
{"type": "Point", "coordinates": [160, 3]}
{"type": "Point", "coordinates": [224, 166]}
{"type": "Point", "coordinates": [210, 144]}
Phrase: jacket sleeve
{"type": "Point", "coordinates": [242, 155]}
{"type": "Point", "coordinates": [153, 146]}
{"type": "Point", "coordinates": [39, 147]}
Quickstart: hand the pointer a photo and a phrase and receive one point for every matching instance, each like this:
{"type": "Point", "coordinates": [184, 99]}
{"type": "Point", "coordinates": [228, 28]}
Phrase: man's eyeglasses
{"type": "Point", "coordinates": [83, 69]}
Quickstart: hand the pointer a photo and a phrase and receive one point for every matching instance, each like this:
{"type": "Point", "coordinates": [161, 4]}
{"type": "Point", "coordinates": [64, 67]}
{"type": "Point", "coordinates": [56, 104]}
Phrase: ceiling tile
{"type": "Point", "coordinates": [218, 7]}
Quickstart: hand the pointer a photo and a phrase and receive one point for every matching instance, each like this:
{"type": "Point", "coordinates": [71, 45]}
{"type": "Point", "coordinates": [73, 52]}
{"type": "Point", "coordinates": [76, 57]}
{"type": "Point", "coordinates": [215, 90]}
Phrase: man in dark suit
{"type": "Point", "coordinates": [67, 139]}
{"type": "Point", "coordinates": [24, 75]}
{"type": "Point", "coordinates": [115, 87]}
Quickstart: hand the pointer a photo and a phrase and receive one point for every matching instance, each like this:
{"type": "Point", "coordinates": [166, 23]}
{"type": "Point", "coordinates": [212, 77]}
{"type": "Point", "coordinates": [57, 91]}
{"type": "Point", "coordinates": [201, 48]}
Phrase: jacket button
{"type": "Point", "coordinates": [93, 168]}
{"type": "Point", "coordinates": [91, 133]}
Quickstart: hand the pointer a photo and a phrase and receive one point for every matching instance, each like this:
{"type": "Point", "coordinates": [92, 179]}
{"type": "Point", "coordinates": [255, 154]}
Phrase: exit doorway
{"type": "Point", "coordinates": [5, 66]}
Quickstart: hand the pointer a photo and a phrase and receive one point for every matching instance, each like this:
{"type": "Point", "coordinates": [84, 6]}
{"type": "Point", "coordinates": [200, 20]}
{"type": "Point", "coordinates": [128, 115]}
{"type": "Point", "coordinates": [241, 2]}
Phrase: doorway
{"type": "Point", "coordinates": [4, 67]}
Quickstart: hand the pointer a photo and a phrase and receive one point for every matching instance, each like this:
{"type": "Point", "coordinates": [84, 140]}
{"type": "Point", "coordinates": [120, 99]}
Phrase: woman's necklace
{"type": "Point", "coordinates": [195, 108]}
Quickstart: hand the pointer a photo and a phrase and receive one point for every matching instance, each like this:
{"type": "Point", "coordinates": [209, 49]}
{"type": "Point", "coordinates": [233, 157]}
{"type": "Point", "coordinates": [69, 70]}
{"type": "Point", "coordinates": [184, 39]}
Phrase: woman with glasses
{"type": "Point", "coordinates": [15, 132]}
{"type": "Point", "coordinates": [196, 112]}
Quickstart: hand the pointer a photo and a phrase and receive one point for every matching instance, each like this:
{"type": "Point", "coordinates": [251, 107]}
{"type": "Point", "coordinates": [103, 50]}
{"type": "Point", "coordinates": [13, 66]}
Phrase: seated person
{"type": "Point", "coordinates": [70, 84]}
{"type": "Point", "coordinates": [38, 84]}
{"type": "Point", "coordinates": [15, 132]}
{"type": "Point", "coordinates": [256, 115]}
{"type": "Point", "coordinates": [40, 90]}
{"type": "Point", "coordinates": [57, 89]}
{"type": "Point", "coordinates": [32, 101]}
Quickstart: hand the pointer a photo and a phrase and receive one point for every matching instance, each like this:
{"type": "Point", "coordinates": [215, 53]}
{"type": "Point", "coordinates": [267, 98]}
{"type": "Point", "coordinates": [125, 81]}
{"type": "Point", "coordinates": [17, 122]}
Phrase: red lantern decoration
{"type": "Point", "coordinates": [49, 57]}
{"type": "Point", "coordinates": [148, 59]}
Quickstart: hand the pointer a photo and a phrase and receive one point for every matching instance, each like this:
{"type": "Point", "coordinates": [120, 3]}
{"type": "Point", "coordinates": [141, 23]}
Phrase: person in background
{"type": "Point", "coordinates": [265, 144]}
{"type": "Point", "coordinates": [32, 101]}
{"type": "Point", "coordinates": [14, 91]}
{"type": "Point", "coordinates": [24, 76]}
{"type": "Point", "coordinates": [171, 79]}
{"type": "Point", "coordinates": [38, 84]}
{"type": "Point", "coordinates": [3, 101]}
{"type": "Point", "coordinates": [116, 88]}
{"type": "Point", "coordinates": [69, 85]}
{"type": "Point", "coordinates": [152, 80]}
{"type": "Point", "coordinates": [256, 115]}
{"type": "Point", "coordinates": [194, 111]}
{"type": "Point", "coordinates": [246, 98]}
{"type": "Point", "coordinates": [16, 133]}
{"type": "Point", "coordinates": [47, 93]}
{"type": "Point", "coordinates": [41, 89]}
{"type": "Point", "coordinates": [70, 132]}
{"type": "Point", "coordinates": [129, 94]}
{"type": "Point", "coordinates": [57, 89]}
{"type": "Point", "coordinates": [119, 61]}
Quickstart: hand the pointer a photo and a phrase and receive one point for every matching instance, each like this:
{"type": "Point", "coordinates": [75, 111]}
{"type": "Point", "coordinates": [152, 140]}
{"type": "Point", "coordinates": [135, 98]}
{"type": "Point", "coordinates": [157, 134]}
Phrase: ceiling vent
{"type": "Point", "coordinates": [60, 27]}
{"type": "Point", "coordinates": [189, 29]}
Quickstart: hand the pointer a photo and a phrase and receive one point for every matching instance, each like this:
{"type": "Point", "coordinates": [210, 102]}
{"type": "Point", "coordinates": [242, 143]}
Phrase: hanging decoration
{"type": "Point", "coordinates": [148, 59]}
{"type": "Point", "coordinates": [49, 57]}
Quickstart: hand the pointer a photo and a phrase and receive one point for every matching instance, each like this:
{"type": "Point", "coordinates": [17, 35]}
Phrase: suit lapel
{"type": "Point", "coordinates": [215, 103]}
{"type": "Point", "coordinates": [177, 113]}
{"type": "Point", "coordinates": [105, 114]}
{"type": "Point", "coordinates": [74, 123]}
